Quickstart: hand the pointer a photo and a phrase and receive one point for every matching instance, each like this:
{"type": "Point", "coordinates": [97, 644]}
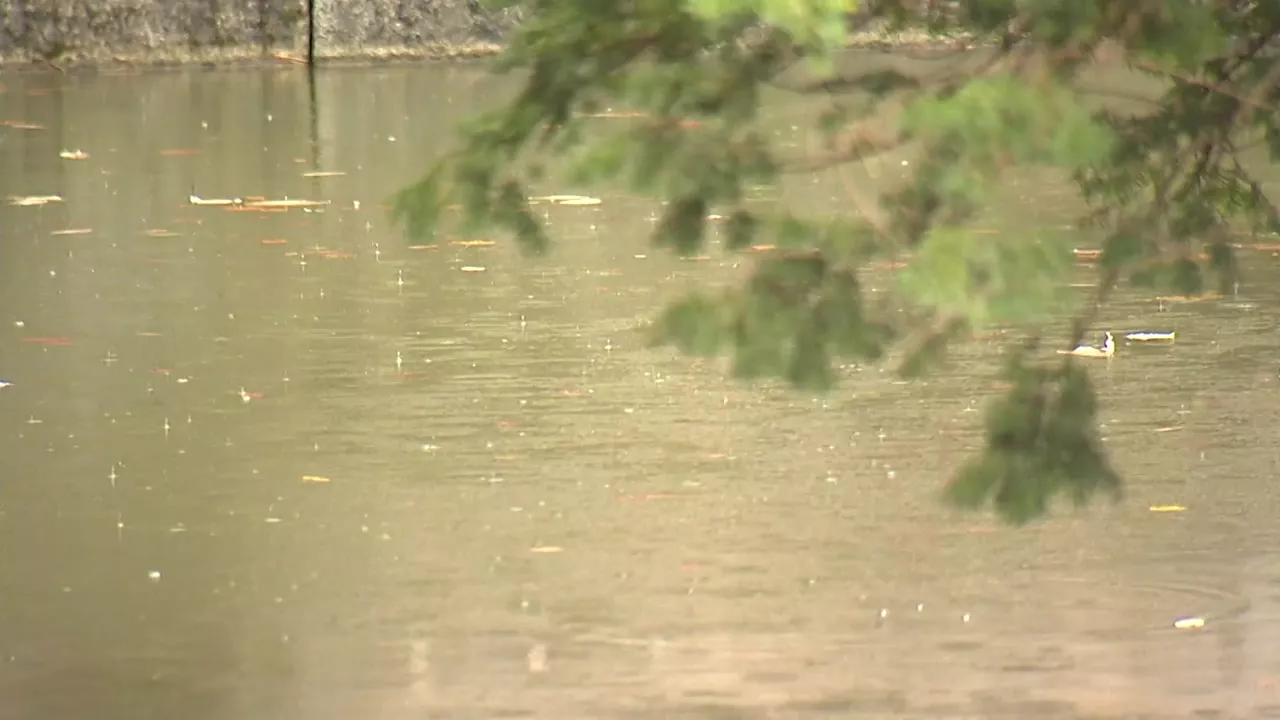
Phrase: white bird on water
{"type": "Point", "coordinates": [1107, 350]}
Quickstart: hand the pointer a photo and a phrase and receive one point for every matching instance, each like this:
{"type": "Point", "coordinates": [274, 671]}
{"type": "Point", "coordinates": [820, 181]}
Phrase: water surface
{"type": "Point", "coordinates": [284, 465]}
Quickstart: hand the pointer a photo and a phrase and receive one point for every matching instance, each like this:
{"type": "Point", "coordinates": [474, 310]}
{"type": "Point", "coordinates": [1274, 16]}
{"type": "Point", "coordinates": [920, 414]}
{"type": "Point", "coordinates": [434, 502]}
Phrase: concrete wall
{"type": "Point", "coordinates": [71, 32]}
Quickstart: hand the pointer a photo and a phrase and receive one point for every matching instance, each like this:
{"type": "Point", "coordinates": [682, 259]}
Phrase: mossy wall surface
{"type": "Point", "coordinates": [148, 32]}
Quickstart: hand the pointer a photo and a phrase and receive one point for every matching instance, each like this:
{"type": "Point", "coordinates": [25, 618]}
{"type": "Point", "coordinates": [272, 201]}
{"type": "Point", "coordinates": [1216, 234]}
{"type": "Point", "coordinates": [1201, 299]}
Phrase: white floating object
{"type": "Point", "coordinates": [73, 155]}
{"type": "Point", "coordinates": [568, 199]}
{"type": "Point", "coordinates": [154, 575]}
{"type": "Point", "coordinates": [471, 268]}
{"type": "Point", "coordinates": [4, 384]}
{"type": "Point", "coordinates": [1189, 623]}
{"type": "Point", "coordinates": [1152, 336]}
{"type": "Point", "coordinates": [197, 200]}
{"type": "Point", "coordinates": [33, 200]}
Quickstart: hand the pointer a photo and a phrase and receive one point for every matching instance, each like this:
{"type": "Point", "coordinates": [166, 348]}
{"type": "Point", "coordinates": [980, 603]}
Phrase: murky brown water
{"type": "Point", "coordinates": [181, 375]}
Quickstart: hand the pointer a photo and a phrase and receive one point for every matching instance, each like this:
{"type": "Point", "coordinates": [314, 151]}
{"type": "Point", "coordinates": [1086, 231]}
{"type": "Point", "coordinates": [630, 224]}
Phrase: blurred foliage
{"type": "Point", "coordinates": [1164, 187]}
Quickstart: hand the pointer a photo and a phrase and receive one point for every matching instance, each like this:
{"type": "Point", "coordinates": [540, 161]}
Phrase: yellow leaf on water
{"type": "Point", "coordinates": [1166, 508]}
{"type": "Point", "coordinates": [315, 479]}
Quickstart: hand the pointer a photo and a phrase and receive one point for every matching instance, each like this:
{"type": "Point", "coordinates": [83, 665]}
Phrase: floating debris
{"type": "Point", "coordinates": [546, 549]}
{"type": "Point", "coordinates": [161, 233]}
{"type": "Point", "coordinates": [1265, 247]}
{"type": "Point", "coordinates": [33, 200]}
{"type": "Point", "coordinates": [619, 115]}
{"type": "Point", "coordinates": [1189, 623]}
{"type": "Point", "coordinates": [73, 155]}
{"type": "Point", "coordinates": [1166, 508]}
{"type": "Point", "coordinates": [19, 125]}
{"type": "Point", "coordinates": [471, 269]}
{"type": "Point", "coordinates": [72, 231]}
{"type": "Point", "coordinates": [4, 384]}
{"type": "Point", "coordinates": [197, 200]}
{"type": "Point", "coordinates": [1152, 336]}
{"type": "Point", "coordinates": [473, 243]}
{"type": "Point", "coordinates": [1086, 254]}
{"type": "Point", "coordinates": [566, 200]}
{"type": "Point", "coordinates": [254, 203]}
{"type": "Point", "coordinates": [323, 174]}
{"type": "Point", "coordinates": [57, 341]}
{"type": "Point", "coordinates": [286, 203]}
{"type": "Point", "coordinates": [1189, 298]}
{"type": "Point", "coordinates": [315, 479]}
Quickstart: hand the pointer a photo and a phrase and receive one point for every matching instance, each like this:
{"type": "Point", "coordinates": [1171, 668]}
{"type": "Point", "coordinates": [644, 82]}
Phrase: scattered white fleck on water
{"type": "Point", "coordinates": [154, 575]}
{"type": "Point", "coordinates": [966, 617]}
{"type": "Point", "coordinates": [884, 612]}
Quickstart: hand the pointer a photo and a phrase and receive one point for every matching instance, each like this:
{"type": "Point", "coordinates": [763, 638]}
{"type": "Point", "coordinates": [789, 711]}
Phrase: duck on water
{"type": "Point", "coordinates": [1107, 350]}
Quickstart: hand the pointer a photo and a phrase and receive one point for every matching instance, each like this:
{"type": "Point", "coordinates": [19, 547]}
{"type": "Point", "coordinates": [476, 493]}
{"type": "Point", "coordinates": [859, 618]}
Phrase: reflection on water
{"type": "Point", "coordinates": [282, 465]}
